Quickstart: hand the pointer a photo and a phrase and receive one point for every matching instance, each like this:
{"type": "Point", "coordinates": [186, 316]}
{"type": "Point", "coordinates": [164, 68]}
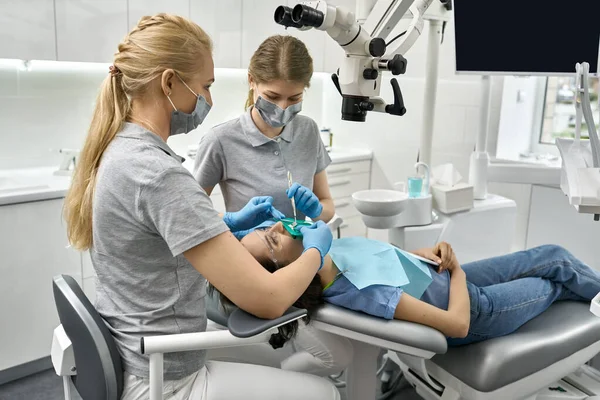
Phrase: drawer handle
{"type": "Point", "coordinates": [339, 183]}
{"type": "Point", "coordinates": [342, 204]}
{"type": "Point", "coordinates": [338, 170]}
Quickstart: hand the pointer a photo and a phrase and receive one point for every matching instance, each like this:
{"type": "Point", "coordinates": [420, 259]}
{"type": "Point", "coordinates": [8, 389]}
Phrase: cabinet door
{"type": "Point", "coordinates": [33, 244]}
{"type": "Point", "coordinates": [222, 20]}
{"type": "Point", "coordinates": [90, 30]}
{"type": "Point", "coordinates": [139, 8]}
{"type": "Point", "coordinates": [27, 29]}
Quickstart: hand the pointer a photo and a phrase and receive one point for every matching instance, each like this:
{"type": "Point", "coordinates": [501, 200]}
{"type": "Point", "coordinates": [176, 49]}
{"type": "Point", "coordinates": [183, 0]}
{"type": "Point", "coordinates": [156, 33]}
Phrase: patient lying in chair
{"type": "Point", "coordinates": [469, 303]}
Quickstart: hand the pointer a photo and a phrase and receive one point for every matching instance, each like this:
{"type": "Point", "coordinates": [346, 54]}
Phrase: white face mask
{"type": "Point", "coordinates": [183, 122]}
{"type": "Point", "coordinates": [274, 115]}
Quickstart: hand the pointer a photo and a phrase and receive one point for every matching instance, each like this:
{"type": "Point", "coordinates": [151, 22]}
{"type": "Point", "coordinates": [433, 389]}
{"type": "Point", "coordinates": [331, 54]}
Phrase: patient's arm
{"type": "Point", "coordinates": [452, 323]}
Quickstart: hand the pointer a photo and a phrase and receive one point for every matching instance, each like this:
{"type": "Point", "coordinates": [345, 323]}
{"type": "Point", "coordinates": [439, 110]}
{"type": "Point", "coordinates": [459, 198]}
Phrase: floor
{"type": "Point", "coordinates": [47, 386]}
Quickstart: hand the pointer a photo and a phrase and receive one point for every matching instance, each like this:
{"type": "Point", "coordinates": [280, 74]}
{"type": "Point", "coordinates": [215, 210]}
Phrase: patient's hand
{"type": "Point", "coordinates": [442, 254]}
{"type": "Point", "coordinates": [428, 254]}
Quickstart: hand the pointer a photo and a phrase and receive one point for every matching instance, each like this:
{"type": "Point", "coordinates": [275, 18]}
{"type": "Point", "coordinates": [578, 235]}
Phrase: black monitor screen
{"type": "Point", "coordinates": [526, 36]}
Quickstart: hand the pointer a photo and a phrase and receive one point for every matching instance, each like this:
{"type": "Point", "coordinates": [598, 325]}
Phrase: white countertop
{"type": "Point", "coordinates": [36, 184]}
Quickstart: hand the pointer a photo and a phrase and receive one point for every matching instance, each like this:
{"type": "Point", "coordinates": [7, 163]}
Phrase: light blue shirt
{"type": "Point", "coordinates": [375, 274]}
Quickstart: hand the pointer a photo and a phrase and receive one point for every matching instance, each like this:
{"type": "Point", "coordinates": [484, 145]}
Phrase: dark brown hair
{"type": "Point", "coordinates": [309, 300]}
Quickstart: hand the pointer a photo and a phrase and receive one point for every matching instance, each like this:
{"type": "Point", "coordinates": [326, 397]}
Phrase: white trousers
{"type": "Point", "coordinates": [232, 381]}
{"type": "Point", "coordinates": [312, 351]}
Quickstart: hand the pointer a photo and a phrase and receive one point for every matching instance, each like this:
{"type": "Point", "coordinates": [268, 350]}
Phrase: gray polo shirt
{"type": "Point", "coordinates": [246, 163]}
{"type": "Point", "coordinates": [147, 211]}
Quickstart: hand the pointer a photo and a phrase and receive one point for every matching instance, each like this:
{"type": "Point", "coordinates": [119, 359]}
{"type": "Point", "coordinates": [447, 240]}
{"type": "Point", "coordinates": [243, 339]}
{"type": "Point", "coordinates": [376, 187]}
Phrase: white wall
{"type": "Point", "coordinates": [48, 106]}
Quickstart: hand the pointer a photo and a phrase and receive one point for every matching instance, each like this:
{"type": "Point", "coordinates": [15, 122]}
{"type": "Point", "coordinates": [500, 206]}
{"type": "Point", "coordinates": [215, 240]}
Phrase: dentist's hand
{"type": "Point", "coordinates": [317, 236]}
{"type": "Point", "coordinates": [258, 210]}
{"type": "Point", "coordinates": [306, 201]}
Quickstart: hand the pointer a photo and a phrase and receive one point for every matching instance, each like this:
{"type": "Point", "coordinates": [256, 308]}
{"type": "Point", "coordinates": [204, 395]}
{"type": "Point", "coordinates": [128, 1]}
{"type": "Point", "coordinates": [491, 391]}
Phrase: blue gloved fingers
{"type": "Point", "coordinates": [311, 202]}
{"type": "Point", "coordinates": [317, 236]}
{"type": "Point", "coordinates": [275, 213]}
{"type": "Point", "coordinates": [261, 200]}
{"type": "Point", "coordinates": [291, 192]}
{"type": "Point", "coordinates": [302, 196]}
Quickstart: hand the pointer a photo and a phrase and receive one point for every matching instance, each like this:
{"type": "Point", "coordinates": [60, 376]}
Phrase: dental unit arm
{"type": "Point", "coordinates": [580, 170]}
{"type": "Point", "coordinates": [367, 54]}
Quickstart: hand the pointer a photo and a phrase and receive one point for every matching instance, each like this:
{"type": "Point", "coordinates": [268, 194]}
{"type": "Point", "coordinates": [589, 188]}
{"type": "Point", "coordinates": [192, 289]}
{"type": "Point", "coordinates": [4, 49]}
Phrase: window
{"type": "Point", "coordinates": [558, 112]}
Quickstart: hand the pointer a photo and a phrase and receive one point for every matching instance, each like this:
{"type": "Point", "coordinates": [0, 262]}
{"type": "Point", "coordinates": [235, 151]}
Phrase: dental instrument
{"type": "Point", "coordinates": [292, 226]}
{"type": "Point", "coordinates": [290, 181]}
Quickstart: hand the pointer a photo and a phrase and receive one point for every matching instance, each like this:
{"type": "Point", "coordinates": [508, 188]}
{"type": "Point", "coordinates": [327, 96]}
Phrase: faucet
{"type": "Point", "coordinates": [69, 159]}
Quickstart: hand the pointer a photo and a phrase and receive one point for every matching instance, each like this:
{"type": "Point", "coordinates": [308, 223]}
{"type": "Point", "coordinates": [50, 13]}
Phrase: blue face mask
{"type": "Point", "coordinates": [184, 123]}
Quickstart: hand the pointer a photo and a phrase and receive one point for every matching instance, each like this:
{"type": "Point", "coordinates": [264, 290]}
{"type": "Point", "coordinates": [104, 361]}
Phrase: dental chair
{"type": "Point", "coordinates": [84, 352]}
{"type": "Point", "coordinates": [513, 367]}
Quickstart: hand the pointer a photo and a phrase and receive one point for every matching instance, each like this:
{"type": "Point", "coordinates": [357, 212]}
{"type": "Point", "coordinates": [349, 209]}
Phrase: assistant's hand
{"type": "Point", "coordinates": [258, 210]}
{"type": "Point", "coordinates": [317, 236]}
{"type": "Point", "coordinates": [306, 201]}
{"type": "Point", "coordinates": [449, 261]}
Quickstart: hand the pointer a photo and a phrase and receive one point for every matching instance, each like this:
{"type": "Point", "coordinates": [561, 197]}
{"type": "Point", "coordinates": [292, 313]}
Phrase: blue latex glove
{"type": "Point", "coordinates": [317, 236]}
{"type": "Point", "coordinates": [306, 201]}
{"type": "Point", "coordinates": [258, 210]}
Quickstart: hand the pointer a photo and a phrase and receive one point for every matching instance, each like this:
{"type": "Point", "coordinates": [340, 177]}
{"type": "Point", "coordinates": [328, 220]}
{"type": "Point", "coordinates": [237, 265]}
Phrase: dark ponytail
{"type": "Point", "coordinates": [309, 300]}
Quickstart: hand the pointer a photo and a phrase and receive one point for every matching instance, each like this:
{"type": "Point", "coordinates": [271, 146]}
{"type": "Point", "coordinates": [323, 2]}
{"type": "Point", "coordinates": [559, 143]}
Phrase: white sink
{"type": "Point", "coordinates": [379, 202]}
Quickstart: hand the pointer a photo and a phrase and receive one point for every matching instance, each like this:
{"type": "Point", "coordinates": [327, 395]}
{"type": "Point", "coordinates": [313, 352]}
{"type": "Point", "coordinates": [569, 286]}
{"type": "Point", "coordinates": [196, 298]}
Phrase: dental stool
{"type": "Point", "coordinates": [513, 367]}
{"type": "Point", "coordinates": [84, 351]}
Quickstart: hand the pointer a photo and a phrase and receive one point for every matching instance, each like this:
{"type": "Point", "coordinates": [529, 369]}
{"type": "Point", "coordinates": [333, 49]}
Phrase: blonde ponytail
{"type": "Point", "coordinates": [157, 43]}
{"type": "Point", "coordinates": [110, 112]}
{"type": "Point", "coordinates": [280, 57]}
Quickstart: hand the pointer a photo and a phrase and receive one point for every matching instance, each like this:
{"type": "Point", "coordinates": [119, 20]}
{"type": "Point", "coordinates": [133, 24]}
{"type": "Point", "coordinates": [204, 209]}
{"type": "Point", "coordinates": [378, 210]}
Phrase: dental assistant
{"type": "Point", "coordinates": [153, 236]}
{"type": "Point", "coordinates": [251, 155]}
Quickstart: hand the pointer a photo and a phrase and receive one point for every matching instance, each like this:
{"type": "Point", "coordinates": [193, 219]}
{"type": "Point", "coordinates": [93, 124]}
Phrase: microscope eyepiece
{"type": "Point", "coordinates": [283, 16]}
{"type": "Point", "coordinates": [307, 16]}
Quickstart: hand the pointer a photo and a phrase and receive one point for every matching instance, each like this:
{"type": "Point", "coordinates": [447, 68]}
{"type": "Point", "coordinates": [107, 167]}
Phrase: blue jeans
{"type": "Point", "coordinates": [507, 291]}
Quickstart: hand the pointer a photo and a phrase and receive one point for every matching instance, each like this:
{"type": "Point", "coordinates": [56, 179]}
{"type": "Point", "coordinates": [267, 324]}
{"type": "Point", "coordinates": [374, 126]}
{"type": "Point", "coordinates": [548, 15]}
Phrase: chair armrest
{"type": "Point", "coordinates": [248, 330]}
{"type": "Point", "coordinates": [244, 325]}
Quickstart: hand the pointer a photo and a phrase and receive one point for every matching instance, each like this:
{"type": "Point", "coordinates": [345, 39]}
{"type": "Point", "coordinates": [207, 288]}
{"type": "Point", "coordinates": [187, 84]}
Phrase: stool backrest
{"type": "Point", "coordinates": [99, 372]}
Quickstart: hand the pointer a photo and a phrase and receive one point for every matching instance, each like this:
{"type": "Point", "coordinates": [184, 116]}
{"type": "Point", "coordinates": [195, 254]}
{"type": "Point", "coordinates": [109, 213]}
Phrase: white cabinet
{"type": "Point", "coordinates": [345, 179]}
{"type": "Point", "coordinates": [90, 30]}
{"type": "Point", "coordinates": [33, 245]}
{"type": "Point", "coordinates": [27, 29]}
{"type": "Point", "coordinates": [140, 8]}
{"type": "Point", "coordinates": [222, 20]}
